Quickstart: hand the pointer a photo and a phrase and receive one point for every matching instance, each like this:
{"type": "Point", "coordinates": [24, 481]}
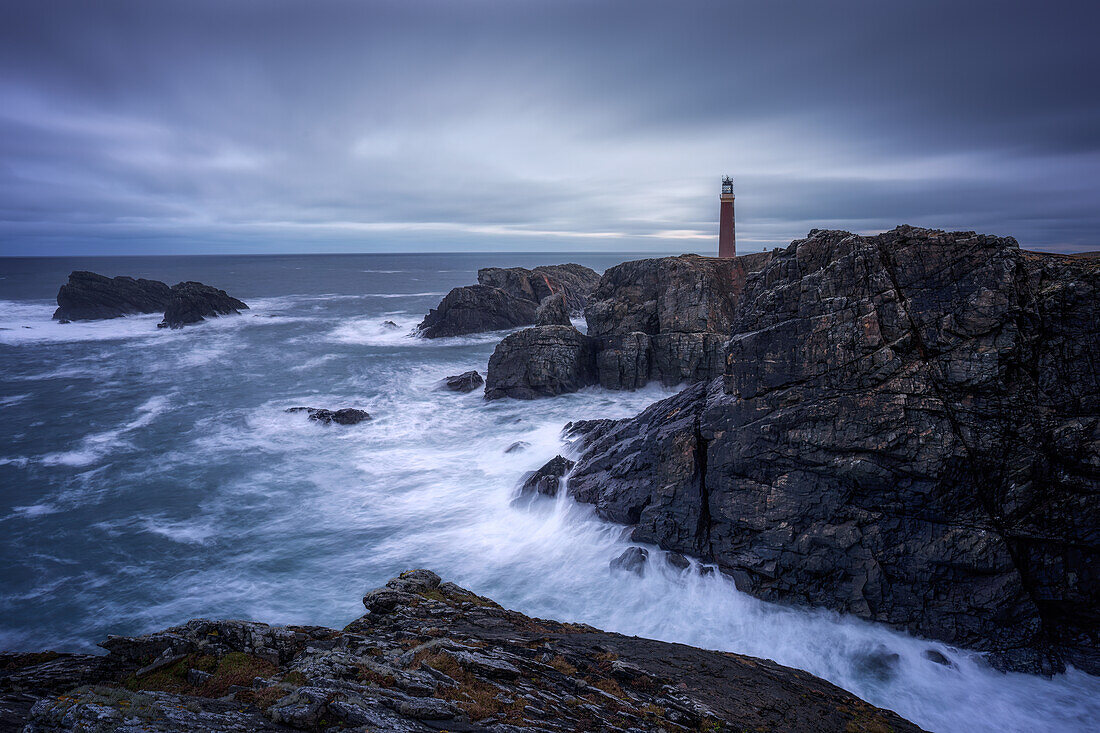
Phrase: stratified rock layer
{"type": "Point", "coordinates": [428, 656]}
{"type": "Point", "coordinates": [908, 430]}
{"type": "Point", "coordinates": [507, 298]}
{"type": "Point", "coordinates": [88, 296]}
{"type": "Point", "coordinates": [192, 302]}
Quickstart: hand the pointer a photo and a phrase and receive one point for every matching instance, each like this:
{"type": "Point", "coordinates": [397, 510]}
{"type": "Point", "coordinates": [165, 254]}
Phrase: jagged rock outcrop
{"type": "Point", "coordinates": [542, 361]}
{"type": "Point", "coordinates": [343, 416]}
{"type": "Point", "coordinates": [908, 430]}
{"type": "Point", "coordinates": [465, 382]}
{"type": "Point", "coordinates": [427, 656]}
{"type": "Point", "coordinates": [88, 296]}
{"type": "Point", "coordinates": [507, 298]}
{"type": "Point", "coordinates": [575, 283]}
{"type": "Point", "coordinates": [552, 311]}
{"type": "Point", "coordinates": [666, 319]}
{"type": "Point", "coordinates": [192, 302]}
{"type": "Point", "coordinates": [547, 479]}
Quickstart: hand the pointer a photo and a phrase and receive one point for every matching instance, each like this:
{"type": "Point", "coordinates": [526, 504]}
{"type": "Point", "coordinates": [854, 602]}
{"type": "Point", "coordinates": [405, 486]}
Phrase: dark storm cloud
{"type": "Point", "coordinates": [261, 126]}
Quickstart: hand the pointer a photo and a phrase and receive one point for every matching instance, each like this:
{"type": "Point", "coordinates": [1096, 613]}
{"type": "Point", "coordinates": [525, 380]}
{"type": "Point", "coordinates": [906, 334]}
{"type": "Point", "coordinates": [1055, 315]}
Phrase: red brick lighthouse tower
{"type": "Point", "coordinates": [727, 235]}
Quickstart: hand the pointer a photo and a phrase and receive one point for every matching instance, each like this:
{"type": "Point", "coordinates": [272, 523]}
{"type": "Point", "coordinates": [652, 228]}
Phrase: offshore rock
{"type": "Point", "coordinates": [632, 560]}
{"type": "Point", "coordinates": [506, 298]}
{"type": "Point", "coordinates": [552, 311]}
{"type": "Point", "coordinates": [907, 430]}
{"type": "Point", "coordinates": [343, 416]}
{"type": "Point", "coordinates": [541, 362]}
{"type": "Point", "coordinates": [465, 382]}
{"type": "Point", "coordinates": [432, 656]}
{"type": "Point", "coordinates": [88, 296]}
{"type": "Point", "coordinates": [192, 302]}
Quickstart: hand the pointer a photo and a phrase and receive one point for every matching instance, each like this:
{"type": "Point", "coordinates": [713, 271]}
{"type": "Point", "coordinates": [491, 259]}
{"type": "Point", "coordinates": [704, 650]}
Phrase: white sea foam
{"type": "Point", "coordinates": [95, 446]}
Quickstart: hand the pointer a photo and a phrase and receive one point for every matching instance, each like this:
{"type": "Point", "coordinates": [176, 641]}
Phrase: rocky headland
{"type": "Point", "coordinates": [427, 656]}
{"type": "Point", "coordinates": [902, 427]}
{"type": "Point", "coordinates": [508, 298]}
{"type": "Point", "coordinates": [88, 297]}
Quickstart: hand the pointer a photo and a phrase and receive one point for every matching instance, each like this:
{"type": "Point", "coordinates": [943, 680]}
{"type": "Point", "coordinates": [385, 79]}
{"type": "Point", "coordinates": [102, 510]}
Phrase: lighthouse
{"type": "Point", "coordinates": [727, 234]}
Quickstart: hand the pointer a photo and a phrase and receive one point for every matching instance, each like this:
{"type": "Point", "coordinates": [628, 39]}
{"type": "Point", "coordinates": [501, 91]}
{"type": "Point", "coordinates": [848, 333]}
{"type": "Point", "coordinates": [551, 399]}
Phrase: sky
{"type": "Point", "coordinates": [213, 126]}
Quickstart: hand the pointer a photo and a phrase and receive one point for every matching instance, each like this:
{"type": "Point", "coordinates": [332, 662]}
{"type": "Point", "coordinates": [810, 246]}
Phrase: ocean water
{"type": "Point", "coordinates": [148, 477]}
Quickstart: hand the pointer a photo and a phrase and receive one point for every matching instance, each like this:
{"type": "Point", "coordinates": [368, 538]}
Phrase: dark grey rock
{"type": "Point", "coordinates": [519, 445]}
{"type": "Point", "coordinates": [933, 655]}
{"type": "Point", "coordinates": [552, 311]}
{"type": "Point", "coordinates": [88, 296]}
{"type": "Point", "coordinates": [192, 302]}
{"type": "Point", "coordinates": [906, 431]}
{"type": "Point", "coordinates": [507, 298]}
{"type": "Point", "coordinates": [343, 416]}
{"type": "Point", "coordinates": [633, 560]}
{"type": "Point", "coordinates": [465, 382]}
{"type": "Point", "coordinates": [385, 672]}
{"type": "Point", "coordinates": [540, 362]}
{"type": "Point", "coordinates": [477, 308]}
{"type": "Point", "coordinates": [547, 479]}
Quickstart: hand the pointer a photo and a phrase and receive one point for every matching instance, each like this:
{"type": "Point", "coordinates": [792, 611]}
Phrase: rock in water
{"type": "Point", "coordinates": [553, 312]}
{"type": "Point", "coordinates": [540, 362]}
{"type": "Point", "coordinates": [907, 430]}
{"type": "Point", "coordinates": [427, 656]}
{"type": "Point", "coordinates": [476, 308]}
{"type": "Point", "coordinates": [465, 382]}
{"type": "Point", "coordinates": [192, 302]}
{"type": "Point", "coordinates": [547, 479]}
{"type": "Point", "coordinates": [343, 416]}
{"type": "Point", "coordinates": [633, 560]}
{"type": "Point", "coordinates": [88, 296]}
{"type": "Point", "coordinates": [506, 298]}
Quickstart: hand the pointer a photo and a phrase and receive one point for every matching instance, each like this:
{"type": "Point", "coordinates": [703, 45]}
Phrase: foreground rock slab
{"type": "Point", "coordinates": [907, 430]}
{"type": "Point", "coordinates": [427, 656]}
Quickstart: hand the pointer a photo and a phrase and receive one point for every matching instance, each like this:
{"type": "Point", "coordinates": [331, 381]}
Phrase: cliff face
{"type": "Point", "coordinates": [907, 429]}
{"type": "Point", "coordinates": [427, 656]}
{"type": "Point", "coordinates": [666, 319]}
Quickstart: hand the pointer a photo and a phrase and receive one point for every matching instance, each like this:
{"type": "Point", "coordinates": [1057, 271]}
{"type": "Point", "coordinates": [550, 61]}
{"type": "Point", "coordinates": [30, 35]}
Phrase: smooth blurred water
{"type": "Point", "coordinates": [148, 476]}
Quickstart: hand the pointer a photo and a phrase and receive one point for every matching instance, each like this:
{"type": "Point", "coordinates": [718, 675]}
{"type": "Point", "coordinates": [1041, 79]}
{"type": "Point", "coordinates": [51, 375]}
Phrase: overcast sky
{"type": "Point", "coordinates": [267, 126]}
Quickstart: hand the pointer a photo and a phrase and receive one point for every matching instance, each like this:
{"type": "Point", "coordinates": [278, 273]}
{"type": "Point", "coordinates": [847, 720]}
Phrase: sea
{"type": "Point", "coordinates": [152, 476]}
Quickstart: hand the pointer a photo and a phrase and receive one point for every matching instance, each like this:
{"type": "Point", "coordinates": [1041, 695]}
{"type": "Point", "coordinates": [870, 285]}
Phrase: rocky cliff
{"type": "Point", "coordinates": [507, 298]}
{"type": "Point", "coordinates": [907, 430]}
{"type": "Point", "coordinates": [428, 656]}
{"type": "Point", "coordinates": [664, 320]}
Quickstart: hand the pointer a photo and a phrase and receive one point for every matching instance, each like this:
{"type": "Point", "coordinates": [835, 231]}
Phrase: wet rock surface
{"type": "Point", "coordinates": [506, 298]}
{"type": "Point", "coordinates": [465, 382]}
{"type": "Point", "coordinates": [906, 430]}
{"type": "Point", "coordinates": [428, 656]}
{"type": "Point", "coordinates": [343, 416]}
{"type": "Point", "coordinates": [88, 296]}
{"type": "Point", "coordinates": [547, 479]}
{"type": "Point", "coordinates": [192, 302]}
{"type": "Point", "coordinates": [552, 311]}
{"type": "Point", "coordinates": [542, 361]}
